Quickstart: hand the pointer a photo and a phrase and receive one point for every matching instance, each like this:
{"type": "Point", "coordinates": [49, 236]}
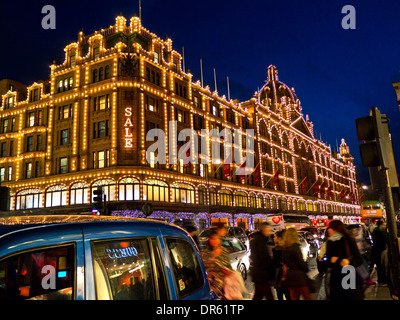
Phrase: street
{"type": "Point", "coordinates": [372, 292]}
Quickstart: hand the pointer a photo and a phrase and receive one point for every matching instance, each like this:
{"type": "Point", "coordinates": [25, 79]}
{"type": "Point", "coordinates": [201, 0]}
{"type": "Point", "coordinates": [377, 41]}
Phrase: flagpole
{"type": "Point", "coordinates": [312, 186]}
{"type": "Point", "coordinates": [229, 94]}
{"type": "Point", "coordinates": [183, 58]}
{"type": "Point", "coordinates": [201, 72]}
{"type": "Point", "coordinates": [215, 80]}
{"type": "Point", "coordinates": [271, 178]}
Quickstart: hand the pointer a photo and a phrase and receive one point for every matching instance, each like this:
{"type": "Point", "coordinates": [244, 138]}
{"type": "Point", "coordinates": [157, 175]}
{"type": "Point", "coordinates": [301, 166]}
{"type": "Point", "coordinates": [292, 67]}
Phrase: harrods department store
{"type": "Point", "coordinates": [86, 127]}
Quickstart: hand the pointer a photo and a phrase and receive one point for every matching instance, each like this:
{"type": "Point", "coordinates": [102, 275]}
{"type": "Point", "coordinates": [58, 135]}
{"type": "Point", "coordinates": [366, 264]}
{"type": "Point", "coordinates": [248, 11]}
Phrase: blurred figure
{"type": "Point", "coordinates": [262, 269]}
{"type": "Point", "coordinates": [380, 240]}
{"type": "Point", "coordinates": [363, 247]}
{"type": "Point", "coordinates": [341, 251]}
{"type": "Point", "coordinates": [281, 290]}
{"type": "Point", "coordinates": [295, 268]}
{"type": "Point", "coordinates": [216, 262]}
{"type": "Point", "coordinates": [221, 229]}
{"type": "Point", "coordinates": [192, 230]}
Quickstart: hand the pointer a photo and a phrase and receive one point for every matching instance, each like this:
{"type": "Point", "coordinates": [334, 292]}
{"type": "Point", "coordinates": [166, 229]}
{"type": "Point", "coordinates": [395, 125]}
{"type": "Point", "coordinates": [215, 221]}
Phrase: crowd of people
{"type": "Point", "coordinates": [284, 270]}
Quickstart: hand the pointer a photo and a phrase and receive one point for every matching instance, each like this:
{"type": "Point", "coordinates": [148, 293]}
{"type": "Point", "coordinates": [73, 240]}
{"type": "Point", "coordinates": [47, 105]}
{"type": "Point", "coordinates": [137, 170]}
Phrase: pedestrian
{"type": "Point", "coordinates": [281, 290]}
{"type": "Point", "coordinates": [221, 229]}
{"type": "Point", "coordinates": [192, 230]}
{"type": "Point", "coordinates": [216, 262]}
{"type": "Point", "coordinates": [295, 268]}
{"type": "Point", "coordinates": [380, 240]}
{"type": "Point", "coordinates": [364, 248]}
{"type": "Point", "coordinates": [262, 271]}
{"type": "Point", "coordinates": [341, 251]}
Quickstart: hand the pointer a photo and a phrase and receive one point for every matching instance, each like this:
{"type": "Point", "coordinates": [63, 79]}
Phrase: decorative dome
{"type": "Point", "coordinates": [275, 94]}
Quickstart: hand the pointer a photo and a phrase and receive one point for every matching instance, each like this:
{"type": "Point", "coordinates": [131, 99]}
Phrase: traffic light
{"type": "Point", "coordinates": [377, 149]}
{"type": "Point", "coordinates": [97, 205]}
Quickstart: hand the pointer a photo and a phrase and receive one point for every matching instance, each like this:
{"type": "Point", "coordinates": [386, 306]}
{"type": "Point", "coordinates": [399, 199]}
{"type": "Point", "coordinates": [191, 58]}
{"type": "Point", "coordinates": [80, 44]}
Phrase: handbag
{"type": "Point", "coordinates": [362, 271]}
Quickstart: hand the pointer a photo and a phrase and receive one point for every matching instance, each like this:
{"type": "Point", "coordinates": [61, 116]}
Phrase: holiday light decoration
{"type": "Point", "coordinates": [274, 106]}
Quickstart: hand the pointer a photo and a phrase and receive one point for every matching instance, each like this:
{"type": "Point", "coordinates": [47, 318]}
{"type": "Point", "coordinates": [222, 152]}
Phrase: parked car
{"type": "Point", "coordinates": [104, 258]}
{"type": "Point", "coordinates": [235, 232]}
{"type": "Point", "coordinates": [238, 255]}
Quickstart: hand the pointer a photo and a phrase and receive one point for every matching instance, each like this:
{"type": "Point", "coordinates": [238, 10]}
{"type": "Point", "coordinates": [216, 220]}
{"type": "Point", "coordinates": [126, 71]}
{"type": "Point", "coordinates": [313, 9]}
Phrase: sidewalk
{"type": "Point", "coordinates": [377, 292]}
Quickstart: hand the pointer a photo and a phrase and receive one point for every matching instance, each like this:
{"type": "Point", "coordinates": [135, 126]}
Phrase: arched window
{"type": "Point", "coordinates": [310, 206]}
{"type": "Point", "coordinates": [240, 199]}
{"type": "Point", "coordinates": [225, 198]}
{"type": "Point", "coordinates": [183, 193]}
{"type": "Point", "coordinates": [213, 197]}
{"type": "Point", "coordinates": [282, 204]}
{"type": "Point", "coordinates": [29, 199]}
{"type": "Point", "coordinates": [285, 141]}
{"type": "Point", "coordinates": [275, 136]}
{"type": "Point", "coordinates": [155, 190]}
{"type": "Point", "coordinates": [252, 200]}
{"type": "Point", "coordinates": [108, 187]}
{"type": "Point", "coordinates": [263, 130]}
{"type": "Point", "coordinates": [56, 196]}
{"type": "Point", "coordinates": [202, 195]}
{"type": "Point", "coordinates": [267, 203]}
{"type": "Point", "coordinates": [78, 193]}
{"type": "Point", "coordinates": [273, 203]}
{"type": "Point", "coordinates": [260, 203]}
{"type": "Point", "coordinates": [129, 189]}
{"type": "Point", "coordinates": [302, 206]}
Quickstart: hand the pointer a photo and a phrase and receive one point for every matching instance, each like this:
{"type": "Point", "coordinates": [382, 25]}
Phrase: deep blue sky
{"type": "Point", "coordinates": [338, 74]}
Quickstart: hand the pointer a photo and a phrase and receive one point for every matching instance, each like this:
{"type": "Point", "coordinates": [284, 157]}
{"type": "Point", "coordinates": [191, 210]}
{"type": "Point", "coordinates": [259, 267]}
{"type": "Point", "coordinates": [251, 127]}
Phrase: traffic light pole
{"type": "Point", "coordinates": [392, 226]}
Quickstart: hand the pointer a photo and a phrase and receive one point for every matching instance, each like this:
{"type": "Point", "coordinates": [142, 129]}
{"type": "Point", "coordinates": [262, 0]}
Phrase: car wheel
{"type": "Point", "coordinates": [243, 271]}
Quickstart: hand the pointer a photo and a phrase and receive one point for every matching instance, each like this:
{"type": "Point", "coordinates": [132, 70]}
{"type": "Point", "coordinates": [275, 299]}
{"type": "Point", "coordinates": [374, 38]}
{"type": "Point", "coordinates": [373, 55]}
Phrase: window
{"type": "Point", "coordinates": [123, 270]}
{"type": "Point", "coordinates": [60, 86]}
{"type": "Point", "coordinates": [11, 148]}
{"type": "Point", "coordinates": [101, 74]}
{"type": "Point", "coordinates": [71, 83]}
{"type": "Point", "coordinates": [96, 52]}
{"type": "Point", "coordinates": [129, 189]}
{"type": "Point", "coordinates": [29, 145]}
{"type": "Point", "coordinates": [10, 173]}
{"type": "Point", "coordinates": [56, 196]}
{"type": "Point", "coordinates": [182, 193]}
{"type": "Point", "coordinates": [179, 115]}
{"type": "Point", "coordinates": [202, 195]}
{"type": "Point", "coordinates": [101, 159]}
{"type": "Point", "coordinates": [95, 75]}
{"type": "Point", "coordinates": [3, 152]}
{"type": "Point", "coordinates": [107, 72]}
{"type": "Point", "coordinates": [63, 165]}
{"type": "Point", "coordinates": [2, 174]}
{"type": "Point", "coordinates": [66, 84]}
{"type": "Point", "coordinates": [37, 168]}
{"type": "Point", "coordinates": [72, 62]}
{"type": "Point", "coordinates": [102, 129]}
{"type": "Point", "coordinates": [155, 190]}
{"type": "Point", "coordinates": [5, 125]}
{"type": "Point", "coordinates": [156, 57]}
{"type": "Point", "coordinates": [240, 199]}
{"type": "Point", "coordinates": [28, 199]}
{"type": "Point", "coordinates": [79, 193]}
{"type": "Point", "coordinates": [13, 125]}
{"type": "Point", "coordinates": [152, 104]}
{"type": "Point", "coordinates": [185, 266]}
{"type": "Point", "coordinates": [213, 197]}
{"type": "Point", "coordinates": [28, 170]}
{"type": "Point", "coordinates": [21, 275]}
{"type": "Point", "coordinates": [35, 94]}
{"type": "Point", "coordinates": [64, 137]}
{"type": "Point", "coordinates": [64, 112]}
{"type": "Point", "coordinates": [31, 119]}
{"type": "Point", "coordinates": [108, 187]}
{"type": "Point", "coordinates": [225, 198]}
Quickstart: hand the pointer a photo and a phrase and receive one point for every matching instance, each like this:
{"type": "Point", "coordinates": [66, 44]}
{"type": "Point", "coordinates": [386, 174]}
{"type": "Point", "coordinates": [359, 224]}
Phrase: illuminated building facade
{"type": "Point", "coordinates": [86, 127]}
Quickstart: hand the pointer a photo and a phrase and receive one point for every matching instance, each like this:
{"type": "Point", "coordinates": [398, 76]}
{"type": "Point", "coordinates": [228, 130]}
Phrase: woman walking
{"type": "Point", "coordinates": [295, 277]}
{"type": "Point", "coordinates": [217, 263]}
{"type": "Point", "coordinates": [341, 251]}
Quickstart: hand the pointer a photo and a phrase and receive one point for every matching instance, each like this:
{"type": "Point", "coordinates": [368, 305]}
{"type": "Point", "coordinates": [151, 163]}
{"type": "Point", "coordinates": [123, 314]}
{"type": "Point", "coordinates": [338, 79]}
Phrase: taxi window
{"type": "Point", "coordinates": [123, 270]}
{"type": "Point", "coordinates": [185, 265]}
{"type": "Point", "coordinates": [45, 274]}
{"type": "Point", "coordinates": [237, 245]}
{"type": "Point", "coordinates": [239, 232]}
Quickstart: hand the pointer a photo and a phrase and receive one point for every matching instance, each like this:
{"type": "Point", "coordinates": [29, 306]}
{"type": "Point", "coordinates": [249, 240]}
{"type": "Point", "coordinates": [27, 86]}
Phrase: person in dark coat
{"type": "Point", "coordinates": [341, 251]}
{"type": "Point", "coordinates": [380, 241]}
{"type": "Point", "coordinates": [280, 288]}
{"type": "Point", "coordinates": [295, 268]}
{"type": "Point", "coordinates": [262, 271]}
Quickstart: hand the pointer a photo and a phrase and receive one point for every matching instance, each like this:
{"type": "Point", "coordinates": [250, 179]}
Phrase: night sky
{"type": "Point", "coordinates": [338, 74]}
